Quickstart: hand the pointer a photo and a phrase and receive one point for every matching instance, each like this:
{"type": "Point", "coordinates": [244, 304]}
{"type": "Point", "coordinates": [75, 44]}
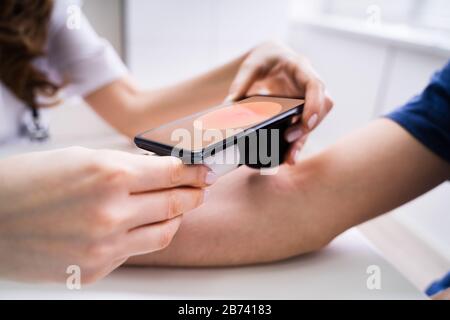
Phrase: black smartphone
{"type": "Point", "coordinates": [254, 126]}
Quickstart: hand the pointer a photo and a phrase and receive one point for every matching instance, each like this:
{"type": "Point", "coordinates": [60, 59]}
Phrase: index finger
{"type": "Point", "coordinates": [316, 98]}
{"type": "Point", "coordinates": [314, 105]}
{"type": "Point", "coordinates": [245, 78]}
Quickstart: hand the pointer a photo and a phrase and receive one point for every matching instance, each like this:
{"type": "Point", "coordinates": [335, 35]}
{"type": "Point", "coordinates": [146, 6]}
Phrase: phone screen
{"type": "Point", "coordinates": [215, 125]}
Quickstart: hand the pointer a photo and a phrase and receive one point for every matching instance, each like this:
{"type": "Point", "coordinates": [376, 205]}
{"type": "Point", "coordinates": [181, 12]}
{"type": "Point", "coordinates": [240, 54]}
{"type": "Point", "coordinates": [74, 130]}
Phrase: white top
{"type": "Point", "coordinates": [75, 54]}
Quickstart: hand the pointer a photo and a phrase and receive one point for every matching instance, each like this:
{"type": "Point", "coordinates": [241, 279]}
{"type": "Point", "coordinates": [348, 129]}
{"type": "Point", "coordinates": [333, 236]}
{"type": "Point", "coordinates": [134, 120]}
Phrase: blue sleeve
{"type": "Point", "coordinates": [439, 286]}
{"type": "Point", "coordinates": [427, 116]}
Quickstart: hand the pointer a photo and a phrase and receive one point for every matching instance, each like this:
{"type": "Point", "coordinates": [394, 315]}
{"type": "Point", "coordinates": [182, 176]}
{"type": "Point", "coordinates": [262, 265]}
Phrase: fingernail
{"type": "Point", "coordinates": [264, 92]}
{"type": "Point", "coordinates": [294, 135]}
{"type": "Point", "coordinates": [229, 98]}
{"type": "Point", "coordinates": [211, 178]}
{"type": "Point", "coordinates": [313, 121]}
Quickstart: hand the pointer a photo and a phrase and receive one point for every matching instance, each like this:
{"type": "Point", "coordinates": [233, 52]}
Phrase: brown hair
{"type": "Point", "coordinates": [23, 34]}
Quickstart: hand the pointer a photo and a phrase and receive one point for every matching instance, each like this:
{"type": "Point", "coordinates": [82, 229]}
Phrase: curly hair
{"type": "Point", "coordinates": [23, 34]}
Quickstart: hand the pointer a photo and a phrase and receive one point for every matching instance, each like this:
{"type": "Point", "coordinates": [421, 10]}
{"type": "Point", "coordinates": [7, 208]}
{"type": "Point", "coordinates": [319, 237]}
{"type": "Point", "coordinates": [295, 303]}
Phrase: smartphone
{"type": "Point", "coordinates": [253, 127]}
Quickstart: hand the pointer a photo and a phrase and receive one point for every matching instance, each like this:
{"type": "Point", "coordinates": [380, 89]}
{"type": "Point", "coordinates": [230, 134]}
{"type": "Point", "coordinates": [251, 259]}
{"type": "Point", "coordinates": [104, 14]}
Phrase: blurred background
{"type": "Point", "coordinates": [373, 56]}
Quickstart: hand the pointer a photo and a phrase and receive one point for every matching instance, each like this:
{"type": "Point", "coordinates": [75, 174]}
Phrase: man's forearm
{"type": "Point", "coordinates": [250, 218]}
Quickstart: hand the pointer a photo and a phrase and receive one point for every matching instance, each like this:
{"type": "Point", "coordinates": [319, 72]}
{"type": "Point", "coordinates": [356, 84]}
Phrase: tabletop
{"type": "Point", "coordinates": [340, 271]}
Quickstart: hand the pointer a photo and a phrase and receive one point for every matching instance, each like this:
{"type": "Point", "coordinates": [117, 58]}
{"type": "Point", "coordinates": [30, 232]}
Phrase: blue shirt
{"type": "Point", "coordinates": [427, 116]}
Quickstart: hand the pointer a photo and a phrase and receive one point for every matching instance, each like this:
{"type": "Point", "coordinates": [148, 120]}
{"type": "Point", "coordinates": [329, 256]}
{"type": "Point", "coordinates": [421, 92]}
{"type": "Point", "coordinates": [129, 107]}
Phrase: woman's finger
{"type": "Point", "coordinates": [313, 112]}
{"type": "Point", "coordinates": [247, 75]}
{"type": "Point", "coordinates": [295, 150]}
{"type": "Point", "coordinates": [157, 173]}
{"type": "Point", "coordinates": [153, 207]}
{"type": "Point", "coordinates": [317, 102]}
{"type": "Point", "coordinates": [150, 238]}
{"type": "Point", "coordinates": [102, 273]}
{"type": "Point", "coordinates": [294, 133]}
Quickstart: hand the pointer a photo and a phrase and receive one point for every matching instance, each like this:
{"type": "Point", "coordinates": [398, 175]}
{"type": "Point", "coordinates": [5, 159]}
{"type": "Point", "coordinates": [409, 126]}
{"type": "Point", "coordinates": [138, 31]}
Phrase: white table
{"type": "Point", "coordinates": [338, 272]}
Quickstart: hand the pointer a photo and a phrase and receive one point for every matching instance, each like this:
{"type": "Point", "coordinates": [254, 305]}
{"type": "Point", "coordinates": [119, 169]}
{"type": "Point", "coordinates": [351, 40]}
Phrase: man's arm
{"type": "Point", "coordinates": [249, 218]}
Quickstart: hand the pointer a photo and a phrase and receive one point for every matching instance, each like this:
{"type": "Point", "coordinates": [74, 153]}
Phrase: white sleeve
{"type": "Point", "coordinates": [84, 61]}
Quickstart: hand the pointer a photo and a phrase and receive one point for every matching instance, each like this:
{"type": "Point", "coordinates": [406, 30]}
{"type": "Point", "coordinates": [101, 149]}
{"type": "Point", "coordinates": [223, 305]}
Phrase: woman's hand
{"type": "Point", "coordinates": [89, 208]}
{"type": "Point", "coordinates": [273, 69]}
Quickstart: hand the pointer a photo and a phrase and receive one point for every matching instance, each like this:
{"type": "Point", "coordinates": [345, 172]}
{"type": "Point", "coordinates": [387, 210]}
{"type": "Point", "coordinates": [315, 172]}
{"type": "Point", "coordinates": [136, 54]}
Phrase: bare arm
{"type": "Point", "coordinates": [250, 218]}
{"type": "Point", "coordinates": [132, 110]}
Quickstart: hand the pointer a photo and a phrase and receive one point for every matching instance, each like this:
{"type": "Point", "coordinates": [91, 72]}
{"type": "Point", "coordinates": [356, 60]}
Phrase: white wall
{"type": "Point", "coordinates": [106, 18]}
{"type": "Point", "coordinates": [169, 40]}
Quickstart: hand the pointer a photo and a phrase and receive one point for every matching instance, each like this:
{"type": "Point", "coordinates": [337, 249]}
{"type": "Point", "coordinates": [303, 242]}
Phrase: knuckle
{"type": "Point", "coordinates": [173, 206]}
{"type": "Point", "coordinates": [175, 171]}
{"type": "Point", "coordinates": [109, 173]}
{"type": "Point", "coordinates": [320, 84]}
{"type": "Point", "coordinates": [199, 196]}
{"type": "Point", "coordinates": [249, 67]}
{"type": "Point", "coordinates": [202, 196]}
{"type": "Point", "coordinates": [97, 253]}
{"type": "Point", "coordinates": [96, 164]}
{"type": "Point", "coordinates": [245, 71]}
{"type": "Point", "coordinates": [165, 238]}
{"type": "Point", "coordinates": [167, 232]}
{"type": "Point", "coordinates": [248, 64]}
{"type": "Point", "coordinates": [104, 221]}
{"type": "Point", "coordinates": [201, 175]}
{"type": "Point", "coordinates": [116, 174]}
{"type": "Point", "coordinates": [329, 103]}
